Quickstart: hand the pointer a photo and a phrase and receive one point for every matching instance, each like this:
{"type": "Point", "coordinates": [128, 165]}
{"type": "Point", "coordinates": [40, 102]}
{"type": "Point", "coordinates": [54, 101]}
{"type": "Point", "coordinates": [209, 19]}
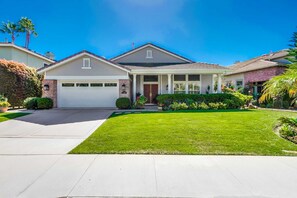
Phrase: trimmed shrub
{"type": "Point", "coordinates": [44, 103]}
{"type": "Point", "coordinates": [179, 106]}
{"type": "Point", "coordinates": [203, 106]}
{"type": "Point", "coordinates": [233, 100]}
{"type": "Point", "coordinates": [18, 81]}
{"type": "Point", "coordinates": [213, 105]}
{"type": "Point", "coordinates": [193, 106]}
{"type": "Point", "coordinates": [123, 103]}
{"type": "Point", "coordinates": [30, 103]}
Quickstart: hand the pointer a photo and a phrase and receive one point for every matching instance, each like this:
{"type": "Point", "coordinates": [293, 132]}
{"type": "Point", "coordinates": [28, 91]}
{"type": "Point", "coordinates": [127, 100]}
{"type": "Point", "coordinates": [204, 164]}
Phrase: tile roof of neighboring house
{"type": "Point", "coordinates": [78, 53]}
{"type": "Point", "coordinates": [5, 44]}
{"type": "Point", "coordinates": [260, 62]}
{"type": "Point", "coordinates": [181, 66]}
{"type": "Point", "coordinates": [155, 46]}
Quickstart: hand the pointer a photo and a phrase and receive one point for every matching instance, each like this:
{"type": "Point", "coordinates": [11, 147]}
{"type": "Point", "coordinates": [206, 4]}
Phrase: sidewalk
{"type": "Point", "coordinates": [147, 176]}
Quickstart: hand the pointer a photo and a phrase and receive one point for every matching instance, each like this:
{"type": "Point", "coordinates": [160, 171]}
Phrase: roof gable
{"type": "Point", "coordinates": [80, 55]}
{"type": "Point", "coordinates": [159, 55]}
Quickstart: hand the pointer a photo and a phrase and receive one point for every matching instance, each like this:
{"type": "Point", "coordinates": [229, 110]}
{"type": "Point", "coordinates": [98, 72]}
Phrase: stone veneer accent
{"type": "Point", "coordinates": [52, 92]}
{"type": "Point", "coordinates": [263, 74]}
{"type": "Point", "coordinates": [125, 92]}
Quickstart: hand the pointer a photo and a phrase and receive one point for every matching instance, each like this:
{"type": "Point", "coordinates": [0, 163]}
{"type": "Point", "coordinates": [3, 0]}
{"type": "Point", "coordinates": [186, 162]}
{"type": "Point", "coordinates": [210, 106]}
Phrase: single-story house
{"type": "Point", "coordinates": [88, 80]}
{"type": "Point", "coordinates": [30, 58]}
{"type": "Point", "coordinates": [254, 72]}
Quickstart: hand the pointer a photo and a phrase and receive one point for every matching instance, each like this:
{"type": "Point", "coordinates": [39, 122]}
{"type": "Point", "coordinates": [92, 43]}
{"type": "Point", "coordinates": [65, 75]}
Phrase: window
{"type": "Point", "coordinates": [150, 78]}
{"type": "Point", "coordinates": [96, 84]}
{"type": "Point", "coordinates": [193, 88]}
{"type": "Point", "coordinates": [149, 54]}
{"type": "Point", "coordinates": [194, 77]}
{"type": "Point", "coordinates": [110, 84]}
{"type": "Point", "coordinates": [239, 84]}
{"type": "Point", "coordinates": [86, 63]}
{"type": "Point", "coordinates": [179, 88]}
{"type": "Point", "coordinates": [67, 84]}
{"type": "Point", "coordinates": [82, 84]}
{"type": "Point", "coordinates": [179, 77]}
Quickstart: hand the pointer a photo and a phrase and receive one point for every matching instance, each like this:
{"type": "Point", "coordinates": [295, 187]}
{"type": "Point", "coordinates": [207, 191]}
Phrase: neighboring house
{"type": "Point", "coordinates": [87, 80]}
{"type": "Point", "coordinates": [254, 72]}
{"type": "Point", "coordinates": [19, 54]}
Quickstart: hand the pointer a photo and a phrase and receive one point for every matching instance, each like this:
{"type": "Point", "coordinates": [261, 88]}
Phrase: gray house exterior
{"type": "Point", "coordinates": [19, 54]}
{"type": "Point", "coordinates": [87, 80]}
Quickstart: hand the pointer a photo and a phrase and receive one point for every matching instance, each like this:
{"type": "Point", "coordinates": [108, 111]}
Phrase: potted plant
{"type": "Point", "coordinates": [140, 102]}
{"type": "Point", "coordinates": [3, 104]}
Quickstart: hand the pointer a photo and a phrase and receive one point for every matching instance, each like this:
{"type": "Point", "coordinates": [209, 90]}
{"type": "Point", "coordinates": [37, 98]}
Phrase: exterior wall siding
{"type": "Point", "coordinates": [74, 68]}
{"type": "Point", "coordinates": [52, 92]}
{"type": "Point", "coordinates": [206, 80]}
{"type": "Point", "coordinates": [263, 74]}
{"type": "Point", "coordinates": [140, 57]}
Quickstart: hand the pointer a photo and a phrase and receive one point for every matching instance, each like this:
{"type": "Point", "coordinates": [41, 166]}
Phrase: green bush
{"type": "Point", "coordinates": [238, 99]}
{"type": "Point", "coordinates": [286, 104]}
{"type": "Point", "coordinates": [18, 81]}
{"type": "Point", "coordinates": [178, 106]}
{"type": "Point", "coordinates": [193, 106]}
{"type": "Point", "coordinates": [44, 103]}
{"type": "Point", "coordinates": [213, 105]}
{"type": "Point", "coordinates": [123, 103]}
{"type": "Point", "coordinates": [30, 103]}
{"type": "Point", "coordinates": [203, 106]}
{"type": "Point", "coordinates": [4, 104]}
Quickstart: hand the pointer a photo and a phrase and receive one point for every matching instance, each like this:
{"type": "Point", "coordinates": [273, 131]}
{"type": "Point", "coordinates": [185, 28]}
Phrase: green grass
{"type": "Point", "coordinates": [218, 132]}
{"type": "Point", "coordinates": [8, 116]}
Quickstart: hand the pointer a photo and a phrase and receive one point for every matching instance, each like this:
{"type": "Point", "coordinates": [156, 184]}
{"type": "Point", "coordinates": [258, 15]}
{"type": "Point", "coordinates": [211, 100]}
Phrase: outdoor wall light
{"type": "Point", "coordinates": [124, 88]}
{"type": "Point", "coordinates": [46, 87]}
{"type": "Point", "coordinates": [166, 87]}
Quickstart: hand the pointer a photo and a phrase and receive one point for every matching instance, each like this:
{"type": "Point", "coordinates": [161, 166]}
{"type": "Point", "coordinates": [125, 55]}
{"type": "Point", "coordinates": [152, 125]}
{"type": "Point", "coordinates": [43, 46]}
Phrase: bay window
{"type": "Point", "coordinates": [189, 84]}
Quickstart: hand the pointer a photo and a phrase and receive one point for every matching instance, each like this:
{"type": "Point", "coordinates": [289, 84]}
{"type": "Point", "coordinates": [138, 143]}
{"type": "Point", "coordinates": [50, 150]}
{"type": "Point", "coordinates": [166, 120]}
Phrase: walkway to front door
{"type": "Point", "coordinates": [150, 92]}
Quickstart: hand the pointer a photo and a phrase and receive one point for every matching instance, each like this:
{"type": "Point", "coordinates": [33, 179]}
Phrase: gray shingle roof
{"type": "Point", "coordinates": [197, 66]}
{"type": "Point", "coordinates": [260, 62]}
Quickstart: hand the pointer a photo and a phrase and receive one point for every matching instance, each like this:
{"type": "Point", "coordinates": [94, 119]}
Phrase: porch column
{"type": "Point", "coordinates": [169, 83]}
{"type": "Point", "coordinates": [187, 84]}
{"type": "Point", "coordinates": [134, 87]}
{"type": "Point", "coordinates": [141, 84]}
{"type": "Point", "coordinates": [213, 84]}
{"type": "Point", "coordinates": [219, 83]}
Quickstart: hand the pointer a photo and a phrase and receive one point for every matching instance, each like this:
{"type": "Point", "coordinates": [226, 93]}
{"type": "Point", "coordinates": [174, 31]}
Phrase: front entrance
{"type": "Point", "coordinates": [150, 92]}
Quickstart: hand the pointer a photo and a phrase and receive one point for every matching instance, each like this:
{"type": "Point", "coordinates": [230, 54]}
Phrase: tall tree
{"type": "Point", "coordinates": [10, 28]}
{"type": "Point", "coordinates": [27, 26]}
{"type": "Point", "coordinates": [286, 83]}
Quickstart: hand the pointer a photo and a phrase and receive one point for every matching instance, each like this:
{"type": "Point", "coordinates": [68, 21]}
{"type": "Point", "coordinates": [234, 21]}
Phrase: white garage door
{"type": "Point", "coordinates": [87, 94]}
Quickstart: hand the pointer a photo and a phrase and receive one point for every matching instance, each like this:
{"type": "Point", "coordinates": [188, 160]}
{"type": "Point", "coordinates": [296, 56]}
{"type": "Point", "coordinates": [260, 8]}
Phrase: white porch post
{"type": "Point", "coordinates": [169, 83]}
{"type": "Point", "coordinates": [219, 83]}
{"type": "Point", "coordinates": [213, 84]}
{"type": "Point", "coordinates": [134, 87]}
{"type": "Point", "coordinates": [141, 84]}
{"type": "Point", "coordinates": [187, 84]}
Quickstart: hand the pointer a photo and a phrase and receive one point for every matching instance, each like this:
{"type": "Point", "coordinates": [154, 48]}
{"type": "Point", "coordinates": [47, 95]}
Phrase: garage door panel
{"type": "Point", "coordinates": [87, 96]}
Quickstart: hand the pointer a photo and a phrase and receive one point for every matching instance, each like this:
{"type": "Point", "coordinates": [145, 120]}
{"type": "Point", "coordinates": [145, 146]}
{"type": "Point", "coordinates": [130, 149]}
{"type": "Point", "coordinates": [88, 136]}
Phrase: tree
{"type": "Point", "coordinates": [286, 83]}
{"type": "Point", "coordinates": [10, 28]}
{"type": "Point", "coordinates": [27, 26]}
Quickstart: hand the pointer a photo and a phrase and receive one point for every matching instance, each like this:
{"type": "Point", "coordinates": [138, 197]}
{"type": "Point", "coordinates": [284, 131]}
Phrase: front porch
{"type": "Point", "coordinates": [153, 84]}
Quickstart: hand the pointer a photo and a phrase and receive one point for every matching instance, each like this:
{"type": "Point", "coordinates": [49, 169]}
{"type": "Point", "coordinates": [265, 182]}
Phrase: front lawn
{"type": "Point", "coordinates": [8, 116]}
{"type": "Point", "coordinates": [222, 132]}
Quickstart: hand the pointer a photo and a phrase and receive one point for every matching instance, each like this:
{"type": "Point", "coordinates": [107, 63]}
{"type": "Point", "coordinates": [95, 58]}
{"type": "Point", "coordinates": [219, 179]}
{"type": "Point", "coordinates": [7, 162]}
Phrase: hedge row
{"type": "Point", "coordinates": [18, 81]}
{"type": "Point", "coordinates": [38, 103]}
{"type": "Point", "coordinates": [232, 100]}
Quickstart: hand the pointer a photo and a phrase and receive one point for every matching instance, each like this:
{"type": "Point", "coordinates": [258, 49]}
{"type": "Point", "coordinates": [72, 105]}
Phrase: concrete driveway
{"type": "Point", "coordinates": [54, 131]}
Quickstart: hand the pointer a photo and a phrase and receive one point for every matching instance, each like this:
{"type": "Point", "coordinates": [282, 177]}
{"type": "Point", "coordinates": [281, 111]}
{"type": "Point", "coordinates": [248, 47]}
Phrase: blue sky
{"type": "Point", "coordinates": [213, 31]}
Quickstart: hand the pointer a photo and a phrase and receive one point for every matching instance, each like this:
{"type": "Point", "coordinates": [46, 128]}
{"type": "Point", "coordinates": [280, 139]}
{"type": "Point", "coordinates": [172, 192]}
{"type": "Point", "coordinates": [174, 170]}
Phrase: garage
{"type": "Point", "coordinates": [72, 94]}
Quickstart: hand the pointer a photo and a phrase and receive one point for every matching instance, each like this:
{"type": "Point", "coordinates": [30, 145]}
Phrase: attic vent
{"type": "Point", "coordinates": [149, 54]}
{"type": "Point", "coordinates": [86, 63]}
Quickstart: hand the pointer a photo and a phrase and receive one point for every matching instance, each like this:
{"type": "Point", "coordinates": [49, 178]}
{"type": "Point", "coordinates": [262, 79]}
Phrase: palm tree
{"type": "Point", "coordinates": [27, 26]}
{"type": "Point", "coordinates": [286, 83]}
{"type": "Point", "coordinates": [279, 86]}
{"type": "Point", "coordinates": [10, 28]}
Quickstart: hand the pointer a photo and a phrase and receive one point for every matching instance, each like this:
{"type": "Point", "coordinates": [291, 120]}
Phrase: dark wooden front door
{"type": "Point", "coordinates": [150, 92]}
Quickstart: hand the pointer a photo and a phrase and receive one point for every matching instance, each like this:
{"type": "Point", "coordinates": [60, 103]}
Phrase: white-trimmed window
{"type": "Point", "coordinates": [86, 63]}
{"type": "Point", "coordinates": [239, 84]}
{"type": "Point", "coordinates": [149, 54]}
{"type": "Point", "coordinates": [189, 84]}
